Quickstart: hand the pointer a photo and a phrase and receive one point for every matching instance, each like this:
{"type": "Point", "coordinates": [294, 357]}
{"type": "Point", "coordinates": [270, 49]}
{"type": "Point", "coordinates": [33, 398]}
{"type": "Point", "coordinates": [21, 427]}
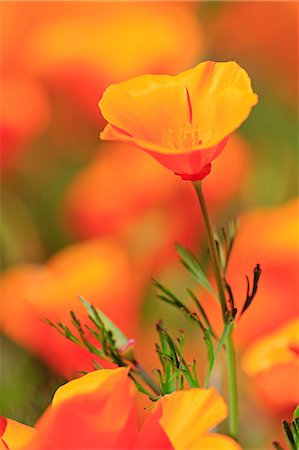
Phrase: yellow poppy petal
{"type": "Point", "coordinates": [96, 411]}
{"type": "Point", "coordinates": [221, 98]}
{"type": "Point", "coordinates": [147, 107]}
{"type": "Point", "coordinates": [17, 435]}
{"type": "Point", "coordinates": [215, 442]}
{"type": "Point", "coordinates": [112, 133]}
{"type": "Point", "coordinates": [188, 415]}
{"type": "Point", "coordinates": [90, 382]}
{"type": "Point", "coordinates": [279, 347]}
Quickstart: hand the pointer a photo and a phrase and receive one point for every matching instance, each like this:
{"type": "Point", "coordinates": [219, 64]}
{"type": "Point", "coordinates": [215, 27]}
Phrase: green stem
{"type": "Point", "coordinates": [232, 385]}
{"type": "Point", "coordinates": [230, 353]}
{"type": "Point", "coordinates": [207, 378]}
{"type": "Point", "coordinates": [212, 247]}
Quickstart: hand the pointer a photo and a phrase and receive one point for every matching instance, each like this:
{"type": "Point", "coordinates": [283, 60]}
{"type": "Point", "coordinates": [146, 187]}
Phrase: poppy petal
{"type": "Point", "coordinates": [152, 435]}
{"type": "Point", "coordinates": [15, 435]}
{"type": "Point", "coordinates": [279, 347]}
{"type": "Point", "coordinates": [147, 107]}
{"type": "Point", "coordinates": [221, 98]}
{"type": "Point", "coordinates": [216, 442]}
{"type": "Point", "coordinates": [96, 411]}
{"type": "Point", "coordinates": [187, 415]}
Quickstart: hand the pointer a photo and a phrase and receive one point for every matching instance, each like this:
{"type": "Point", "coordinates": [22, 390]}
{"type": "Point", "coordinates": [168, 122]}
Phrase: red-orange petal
{"type": "Point", "coordinates": [96, 411]}
{"type": "Point", "coordinates": [15, 435]}
{"type": "Point", "coordinates": [152, 435]}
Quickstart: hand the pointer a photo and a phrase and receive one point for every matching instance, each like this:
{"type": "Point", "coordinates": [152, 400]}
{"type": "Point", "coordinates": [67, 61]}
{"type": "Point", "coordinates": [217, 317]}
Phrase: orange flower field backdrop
{"type": "Point", "coordinates": [99, 219]}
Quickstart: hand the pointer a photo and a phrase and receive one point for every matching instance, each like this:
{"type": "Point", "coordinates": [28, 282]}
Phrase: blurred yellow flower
{"type": "Point", "coordinates": [273, 363]}
{"type": "Point", "coordinates": [279, 347]}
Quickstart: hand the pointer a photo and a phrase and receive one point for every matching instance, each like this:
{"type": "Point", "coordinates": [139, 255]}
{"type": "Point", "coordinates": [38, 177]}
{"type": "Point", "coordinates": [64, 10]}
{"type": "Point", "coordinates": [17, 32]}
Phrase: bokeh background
{"type": "Point", "coordinates": [80, 216]}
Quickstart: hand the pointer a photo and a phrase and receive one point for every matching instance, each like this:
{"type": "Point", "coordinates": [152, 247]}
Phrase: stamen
{"type": "Point", "coordinates": [185, 139]}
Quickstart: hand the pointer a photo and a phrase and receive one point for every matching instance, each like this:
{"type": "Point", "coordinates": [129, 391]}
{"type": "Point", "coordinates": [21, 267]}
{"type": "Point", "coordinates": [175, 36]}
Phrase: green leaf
{"type": "Point", "coordinates": [173, 363]}
{"type": "Point", "coordinates": [225, 241]}
{"type": "Point", "coordinates": [190, 378]}
{"type": "Point", "coordinates": [193, 265]}
{"type": "Point", "coordinates": [289, 434]}
{"type": "Point", "coordinates": [277, 445]}
{"type": "Point", "coordinates": [230, 301]}
{"type": "Point", "coordinates": [250, 296]}
{"type": "Point", "coordinates": [296, 412]}
{"type": "Point", "coordinates": [143, 389]}
{"type": "Point", "coordinates": [201, 310]}
{"type": "Point", "coordinates": [295, 431]}
{"type": "Point", "coordinates": [171, 299]}
{"type": "Point", "coordinates": [97, 365]}
{"type": "Point", "coordinates": [167, 296]}
{"type": "Point", "coordinates": [121, 341]}
{"type": "Point", "coordinates": [211, 355]}
{"type": "Point", "coordinates": [221, 250]}
{"type": "Point", "coordinates": [225, 332]}
{"type": "Point", "coordinates": [232, 228]}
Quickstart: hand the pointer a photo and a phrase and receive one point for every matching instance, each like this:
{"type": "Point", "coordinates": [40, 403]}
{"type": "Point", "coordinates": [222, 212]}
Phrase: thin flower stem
{"type": "Point", "coordinates": [207, 378]}
{"type": "Point", "coordinates": [212, 247]}
{"type": "Point", "coordinates": [230, 353]}
{"type": "Point", "coordinates": [232, 385]}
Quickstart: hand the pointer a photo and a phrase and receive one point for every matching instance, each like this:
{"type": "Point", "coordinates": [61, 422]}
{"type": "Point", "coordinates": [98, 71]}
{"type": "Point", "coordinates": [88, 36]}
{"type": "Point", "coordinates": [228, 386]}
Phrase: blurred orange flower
{"type": "Point", "coordinates": [30, 293]}
{"type": "Point", "coordinates": [268, 236]}
{"type": "Point", "coordinates": [183, 121]}
{"type": "Point", "coordinates": [273, 31]}
{"type": "Point", "coordinates": [112, 44]}
{"type": "Point", "coordinates": [273, 362]}
{"type": "Point", "coordinates": [20, 124]}
{"type": "Point", "coordinates": [98, 411]}
{"type": "Point", "coordinates": [147, 208]}
{"type": "Point", "coordinates": [153, 209]}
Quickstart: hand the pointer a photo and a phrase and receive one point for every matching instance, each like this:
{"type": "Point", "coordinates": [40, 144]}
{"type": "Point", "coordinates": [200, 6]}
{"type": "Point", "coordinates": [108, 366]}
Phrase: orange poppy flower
{"type": "Point", "coordinates": [273, 363]}
{"type": "Point", "coordinates": [183, 121]}
{"type": "Point", "coordinates": [50, 291]}
{"type": "Point", "coordinates": [98, 411]}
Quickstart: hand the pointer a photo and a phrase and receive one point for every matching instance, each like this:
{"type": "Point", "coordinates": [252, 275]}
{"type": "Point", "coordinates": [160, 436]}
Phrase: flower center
{"type": "Point", "coordinates": [184, 138]}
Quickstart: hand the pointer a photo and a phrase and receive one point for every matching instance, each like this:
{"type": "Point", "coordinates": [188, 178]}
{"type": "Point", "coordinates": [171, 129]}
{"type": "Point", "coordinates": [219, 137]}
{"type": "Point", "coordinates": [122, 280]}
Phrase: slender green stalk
{"type": "Point", "coordinates": [212, 247]}
{"type": "Point", "coordinates": [230, 353]}
{"type": "Point", "coordinates": [232, 385]}
{"type": "Point", "coordinates": [207, 378]}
